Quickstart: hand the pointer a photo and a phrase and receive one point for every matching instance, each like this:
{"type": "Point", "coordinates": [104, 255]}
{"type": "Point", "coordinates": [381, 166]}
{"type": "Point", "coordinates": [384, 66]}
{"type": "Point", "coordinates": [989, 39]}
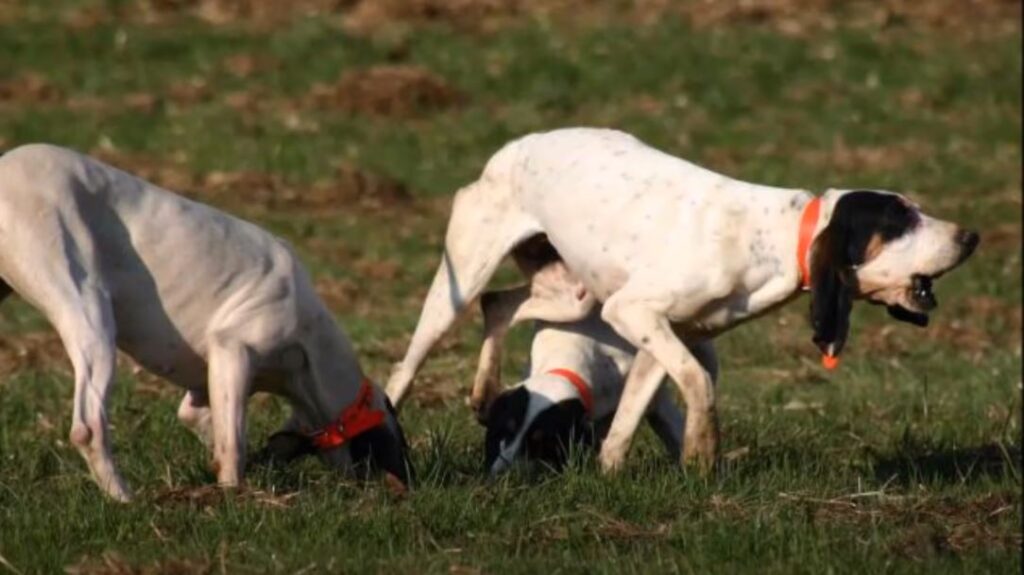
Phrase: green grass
{"type": "Point", "coordinates": [907, 459]}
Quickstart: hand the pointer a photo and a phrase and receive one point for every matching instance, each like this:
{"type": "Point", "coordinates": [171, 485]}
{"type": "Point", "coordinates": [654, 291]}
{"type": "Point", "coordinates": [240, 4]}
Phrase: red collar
{"type": "Point", "coordinates": [355, 419]}
{"type": "Point", "coordinates": [581, 386]}
{"type": "Point", "coordinates": [808, 222]}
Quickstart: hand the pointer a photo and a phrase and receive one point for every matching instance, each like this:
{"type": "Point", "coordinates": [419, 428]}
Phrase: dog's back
{"type": "Point", "coordinates": [138, 243]}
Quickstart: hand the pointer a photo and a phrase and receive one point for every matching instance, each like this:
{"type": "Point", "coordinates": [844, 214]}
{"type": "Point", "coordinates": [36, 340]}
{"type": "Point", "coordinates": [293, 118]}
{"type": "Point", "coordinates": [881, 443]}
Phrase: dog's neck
{"type": "Point", "coordinates": [768, 249]}
{"type": "Point", "coordinates": [331, 379]}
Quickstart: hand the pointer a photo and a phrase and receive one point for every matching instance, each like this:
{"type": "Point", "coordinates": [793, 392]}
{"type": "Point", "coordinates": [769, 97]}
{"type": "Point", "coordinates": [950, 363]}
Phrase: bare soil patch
{"type": "Point", "coordinates": [393, 91]}
{"type": "Point", "coordinates": [28, 88]}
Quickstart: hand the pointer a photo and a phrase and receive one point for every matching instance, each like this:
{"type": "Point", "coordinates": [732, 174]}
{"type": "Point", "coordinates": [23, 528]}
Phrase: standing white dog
{"type": "Point", "coordinates": [677, 254]}
{"type": "Point", "coordinates": [209, 302]}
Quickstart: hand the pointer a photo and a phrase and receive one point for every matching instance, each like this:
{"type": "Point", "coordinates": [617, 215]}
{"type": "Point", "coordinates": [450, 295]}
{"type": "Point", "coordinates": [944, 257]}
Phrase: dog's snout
{"type": "Point", "coordinates": [968, 241]}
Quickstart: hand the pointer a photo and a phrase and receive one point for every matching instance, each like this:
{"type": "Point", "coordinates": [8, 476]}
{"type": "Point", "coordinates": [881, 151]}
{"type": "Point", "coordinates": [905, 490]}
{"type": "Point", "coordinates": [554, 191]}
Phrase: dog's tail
{"type": "Point", "coordinates": [483, 228]}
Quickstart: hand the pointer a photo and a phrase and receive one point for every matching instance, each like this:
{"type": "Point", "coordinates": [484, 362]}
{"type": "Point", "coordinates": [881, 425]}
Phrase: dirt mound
{"type": "Point", "coordinates": [393, 91]}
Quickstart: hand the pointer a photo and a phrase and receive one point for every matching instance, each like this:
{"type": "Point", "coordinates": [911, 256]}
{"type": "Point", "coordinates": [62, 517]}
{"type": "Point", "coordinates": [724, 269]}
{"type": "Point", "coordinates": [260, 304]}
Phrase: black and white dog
{"type": "Point", "coordinates": [575, 378]}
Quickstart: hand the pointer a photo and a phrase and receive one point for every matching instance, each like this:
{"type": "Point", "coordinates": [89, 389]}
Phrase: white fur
{"type": "Point", "coordinates": [212, 303]}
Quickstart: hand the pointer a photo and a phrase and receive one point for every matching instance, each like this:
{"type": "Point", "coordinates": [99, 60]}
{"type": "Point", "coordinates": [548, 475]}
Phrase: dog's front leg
{"type": "Point", "coordinates": [650, 331]}
{"type": "Point", "coordinates": [230, 370]}
{"type": "Point", "coordinates": [667, 421]}
{"type": "Point", "coordinates": [644, 378]}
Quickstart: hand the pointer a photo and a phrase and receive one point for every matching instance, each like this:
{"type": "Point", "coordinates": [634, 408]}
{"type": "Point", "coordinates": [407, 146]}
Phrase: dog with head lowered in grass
{"type": "Point", "coordinates": [205, 300]}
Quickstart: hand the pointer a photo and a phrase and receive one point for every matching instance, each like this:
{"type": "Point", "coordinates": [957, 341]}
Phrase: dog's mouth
{"type": "Point", "coordinates": [921, 300]}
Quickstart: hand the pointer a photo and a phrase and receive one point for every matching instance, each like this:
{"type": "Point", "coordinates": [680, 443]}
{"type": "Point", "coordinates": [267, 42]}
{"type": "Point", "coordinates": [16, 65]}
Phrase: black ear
{"type": "Point", "coordinates": [385, 450]}
{"type": "Point", "coordinates": [903, 314]}
{"type": "Point", "coordinates": [831, 292]}
{"type": "Point", "coordinates": [504, 420]}
{"type": "Point", "coordinates": [858, 219]}
{"type": "Point", "coordinates": [557, 431]}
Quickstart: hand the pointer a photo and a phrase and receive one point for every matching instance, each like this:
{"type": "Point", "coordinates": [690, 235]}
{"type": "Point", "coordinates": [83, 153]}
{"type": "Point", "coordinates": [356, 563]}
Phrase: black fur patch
{"type": "Point", "coordinates": [284, 447]}
{"type": "Point", "coordinates": [379, 450]}
{"type": "Point", "coordinates": [503, 421]}
{"type": "Point", "coordinates": [857, 217]}
{"type": "Point", "coordinates": [551, 437]}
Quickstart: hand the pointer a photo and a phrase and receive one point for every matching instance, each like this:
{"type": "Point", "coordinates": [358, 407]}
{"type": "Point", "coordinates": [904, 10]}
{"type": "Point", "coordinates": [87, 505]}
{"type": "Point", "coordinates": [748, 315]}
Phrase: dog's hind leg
{"type": "Point", "coordinates": [86, 327]}
{"type": "Point", "coordinates": [480, 234]}
{"type": "Point", "coordinates": [194, 413]}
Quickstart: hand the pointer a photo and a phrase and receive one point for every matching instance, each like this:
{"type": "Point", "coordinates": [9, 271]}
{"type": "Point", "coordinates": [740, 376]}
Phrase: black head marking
{"type": "Point", "coordinates": [504, 420]}
{"type": "Point", "coordinates": [551, 436]}
{"type": "Point", "coordinates": [556, 432]}
{"type": "Point", "coordinates": [384, 450]}
{"type": "Point", "coordinates": [858, 219]}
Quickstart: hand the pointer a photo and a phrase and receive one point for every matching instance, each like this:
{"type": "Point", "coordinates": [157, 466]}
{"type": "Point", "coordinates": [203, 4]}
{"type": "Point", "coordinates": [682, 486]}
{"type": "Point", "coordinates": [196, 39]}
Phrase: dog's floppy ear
{"type": "Point", "coordinates": [831, 289]}
{"type": "Point", "coordinates": [505, 419]}
{"type": "Point", "coordinates": [384, 448]}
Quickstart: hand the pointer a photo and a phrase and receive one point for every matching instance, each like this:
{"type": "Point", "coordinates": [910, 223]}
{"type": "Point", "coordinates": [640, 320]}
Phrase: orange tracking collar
{"type": "Point", "coordinates": [581, 386]}
{"type": "Point", "coordinates": [355, 419]}
{"type": "Point", "coordinates": [808, 222]}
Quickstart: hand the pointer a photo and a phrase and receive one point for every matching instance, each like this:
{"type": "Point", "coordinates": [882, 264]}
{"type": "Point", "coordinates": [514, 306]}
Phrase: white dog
{"type": "Point", "coordinates": [678, 254]}
{"type": "Point", "coordinates": [212, 303]}
{"type": "Point", "coordinates": [574, 382]}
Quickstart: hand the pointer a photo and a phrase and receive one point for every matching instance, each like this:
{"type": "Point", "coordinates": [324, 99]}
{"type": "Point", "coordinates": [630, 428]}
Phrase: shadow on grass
{"type": "Point", "coordinates": [915, 464]}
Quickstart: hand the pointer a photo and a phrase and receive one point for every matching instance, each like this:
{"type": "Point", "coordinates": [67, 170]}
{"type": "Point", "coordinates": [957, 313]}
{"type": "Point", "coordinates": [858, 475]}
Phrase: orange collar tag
{"type": "Point", "coordinates": [808, 222]}
{"type": "Point", "coordinates": [355, 419]}
{"type": "Point", "coordinates": [581, 386]}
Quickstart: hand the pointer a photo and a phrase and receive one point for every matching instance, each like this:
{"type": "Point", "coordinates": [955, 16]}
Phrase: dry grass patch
{"type": "Point", "coordinates": [391, 91]}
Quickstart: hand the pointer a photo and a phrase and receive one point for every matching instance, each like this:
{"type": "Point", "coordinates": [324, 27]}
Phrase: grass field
{"type": "Point", "coordinates": [345, 126]}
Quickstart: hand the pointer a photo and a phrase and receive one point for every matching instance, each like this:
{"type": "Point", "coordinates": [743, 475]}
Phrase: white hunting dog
{"type": "Point", "coordinates": [207, 301]}
{"type": "Point", "coordinates": [678, 254]}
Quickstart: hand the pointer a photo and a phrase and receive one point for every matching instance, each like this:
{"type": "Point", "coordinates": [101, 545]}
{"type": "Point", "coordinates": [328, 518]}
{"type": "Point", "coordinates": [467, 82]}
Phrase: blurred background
{"type": "Point", "coordinates": [345, 126]}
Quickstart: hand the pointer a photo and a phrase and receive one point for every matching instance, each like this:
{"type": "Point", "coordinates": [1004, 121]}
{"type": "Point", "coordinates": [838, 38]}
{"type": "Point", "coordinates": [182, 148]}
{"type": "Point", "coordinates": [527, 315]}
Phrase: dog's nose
{"type": "Point", "coordinates": [968, 240]}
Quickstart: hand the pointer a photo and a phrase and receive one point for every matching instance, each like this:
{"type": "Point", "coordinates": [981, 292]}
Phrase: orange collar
{"type": "Point", "coordinates": [581, 386]}
{"type": "Point", "coordinates": [808, 222]}
{"type": "Point", "coordinates": [355, 419]}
